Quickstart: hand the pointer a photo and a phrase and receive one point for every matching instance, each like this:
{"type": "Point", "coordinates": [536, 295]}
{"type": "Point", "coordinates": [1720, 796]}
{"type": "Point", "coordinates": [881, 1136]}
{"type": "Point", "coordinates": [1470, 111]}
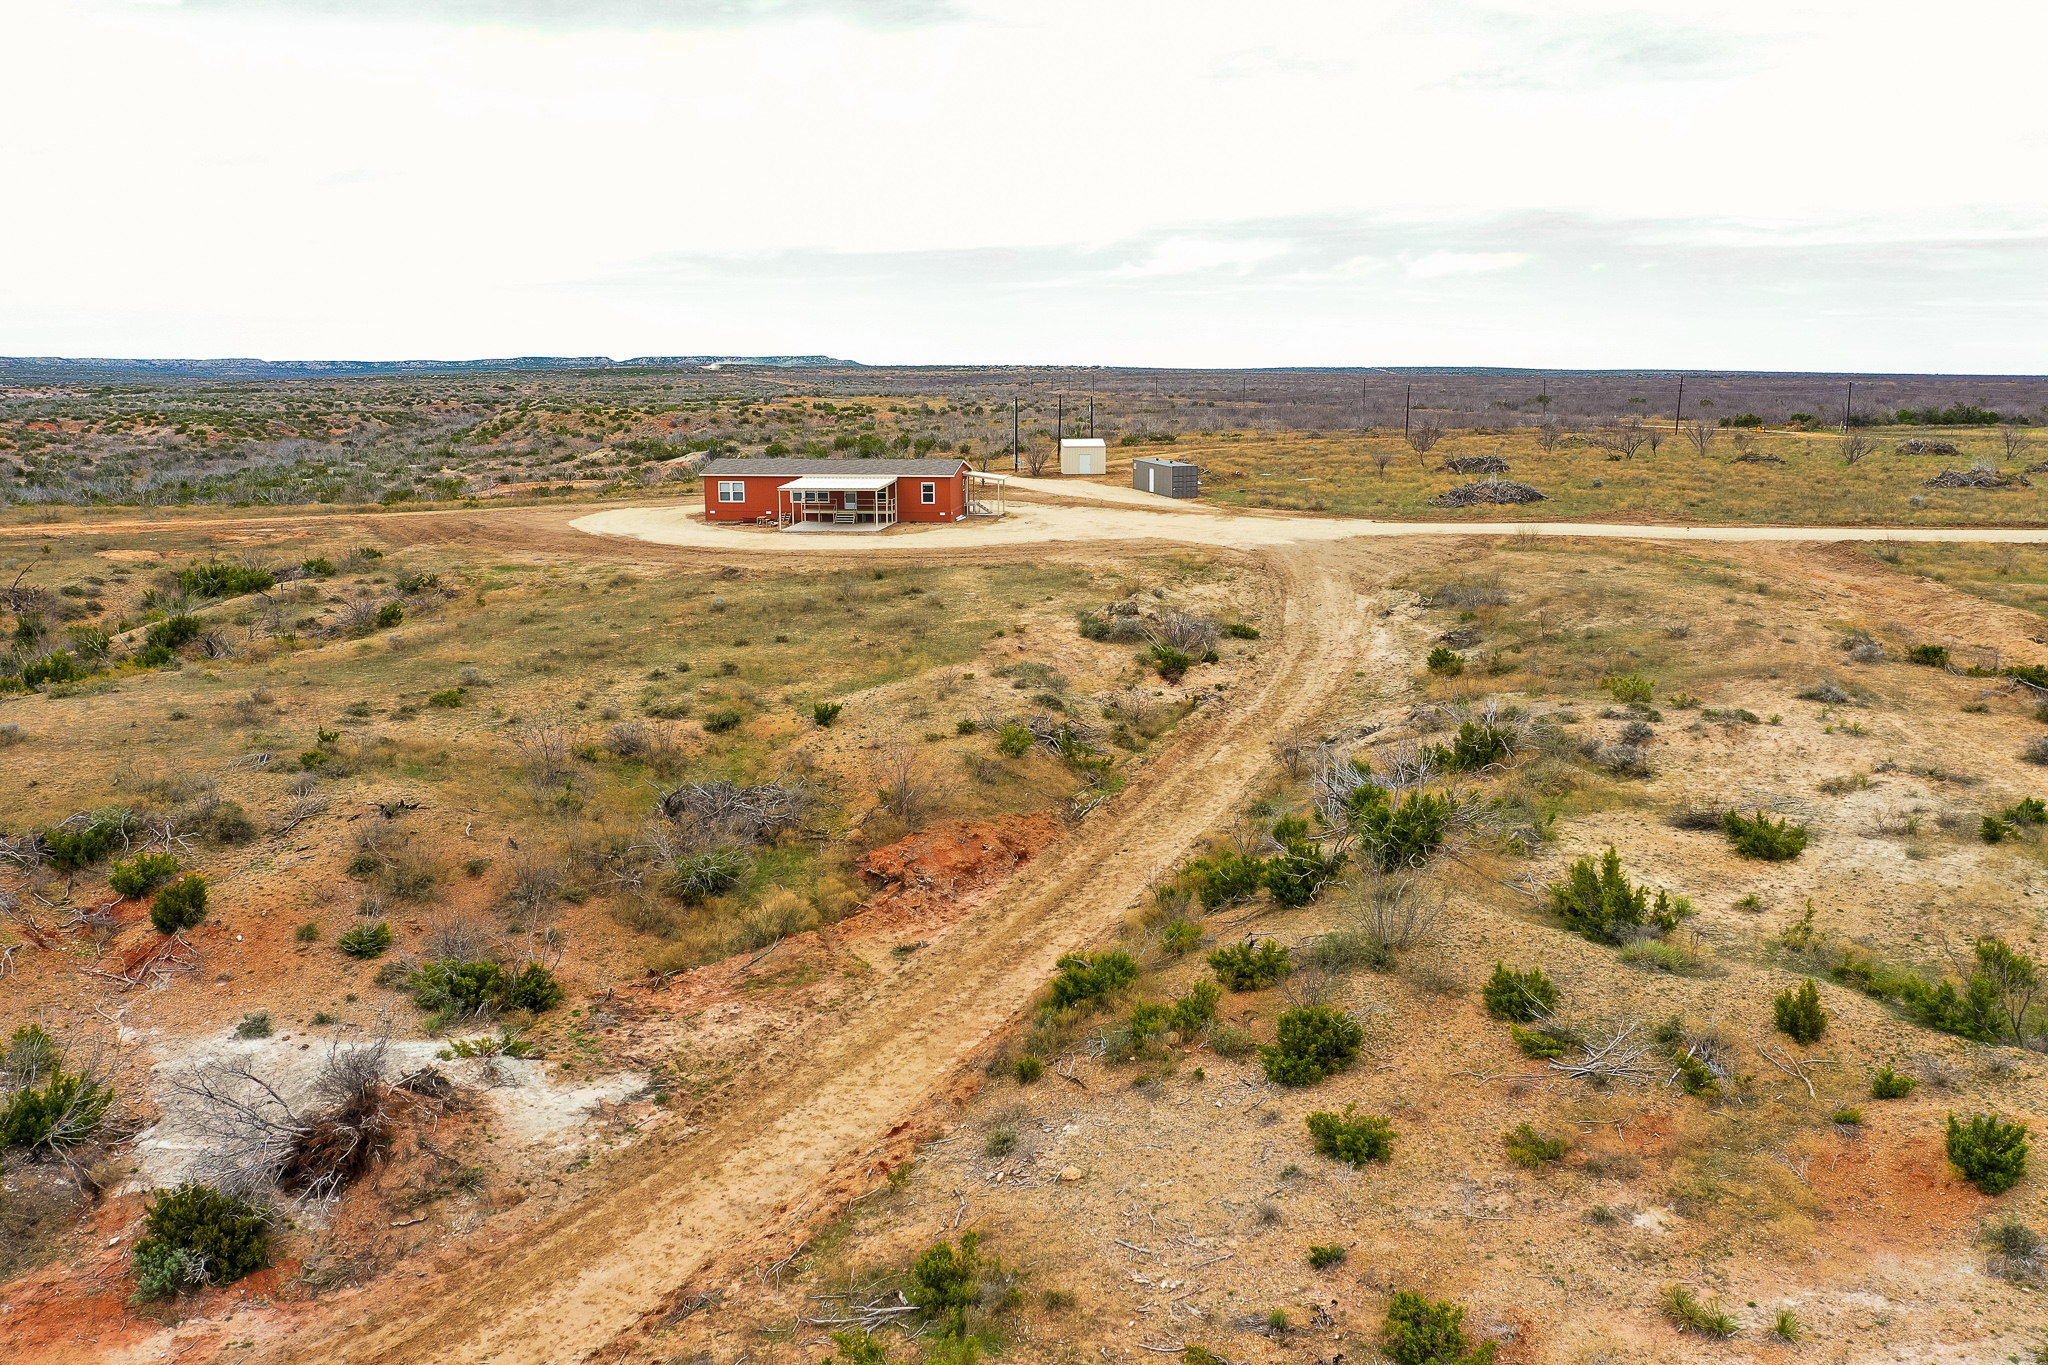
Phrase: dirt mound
{"type": "Point", "coordinates": [957, 856]}
{"type": "Point", "coordinates": [1476, 464]}
{"type": "Point", "coordinates": [1920, 445]}
{"type": "Point", "coordinates": [1978, 478]}
{"type": "Point", "coordinates": [1487, 490]}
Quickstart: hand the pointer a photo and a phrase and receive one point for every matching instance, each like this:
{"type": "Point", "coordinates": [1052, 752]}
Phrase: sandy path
{"type": "Point", "coordinates": [1036, 524]}
{"type": "Point", "coordinates": [563, 1288]}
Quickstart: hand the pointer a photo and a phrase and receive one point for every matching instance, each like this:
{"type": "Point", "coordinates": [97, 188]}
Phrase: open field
{"type": "Point", "coordinates": [72, 437]}
{"type": "Point", "coordinates": [1801, 481]}
{"type": "Point", "coordinates": [795, 1082]}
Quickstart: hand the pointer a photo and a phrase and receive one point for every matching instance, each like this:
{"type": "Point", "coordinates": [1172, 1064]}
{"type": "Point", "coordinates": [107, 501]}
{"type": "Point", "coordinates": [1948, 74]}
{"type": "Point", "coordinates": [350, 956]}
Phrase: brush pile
{"type": "Point", "coordinates": [1487, 491]}
{"type": "Point", "coordinates": [1920, 445]}
{"type": "Point", "coordinates": [1475, 464]}
{"type": "Point", "coordinates": [1978, 478]}
{"type": "Point", "coordinates": [749, 813]}
{"type": "Point", "coordinates": [1759, 457]}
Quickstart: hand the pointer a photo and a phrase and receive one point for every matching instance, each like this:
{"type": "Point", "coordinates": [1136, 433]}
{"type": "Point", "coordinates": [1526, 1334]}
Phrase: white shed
{"type": "Point", "coordinates": [1084, 457]}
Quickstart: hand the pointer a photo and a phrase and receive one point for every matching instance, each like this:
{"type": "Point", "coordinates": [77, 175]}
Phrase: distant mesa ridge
{"type": "Point", "coordinates": [248, 368]}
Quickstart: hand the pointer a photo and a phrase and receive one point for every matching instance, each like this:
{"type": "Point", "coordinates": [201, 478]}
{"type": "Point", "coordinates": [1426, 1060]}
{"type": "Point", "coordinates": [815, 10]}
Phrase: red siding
{"type": "Point", "coordinates": [761, 498]}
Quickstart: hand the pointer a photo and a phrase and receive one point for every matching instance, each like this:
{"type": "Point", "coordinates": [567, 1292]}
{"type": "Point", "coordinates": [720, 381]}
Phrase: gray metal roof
{"type": "Point", "coordinates": [796, 469]}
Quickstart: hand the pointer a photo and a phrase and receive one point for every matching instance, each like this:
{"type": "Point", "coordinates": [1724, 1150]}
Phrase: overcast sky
{"type": "Point", "coordinates": [1769, 184]}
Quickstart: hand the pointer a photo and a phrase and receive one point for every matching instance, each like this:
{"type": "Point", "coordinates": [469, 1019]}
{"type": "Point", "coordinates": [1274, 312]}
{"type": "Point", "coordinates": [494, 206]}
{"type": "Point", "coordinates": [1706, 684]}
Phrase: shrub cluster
{"type": "Point", "coordinates": [1243, 968]}
{"type": "Point", "coordinates": [365, 940]}
{"type": "Point", "coordinates": [1394, 838]}
{"type": "Point", "coordinates": [1997, 1002]}
{"type": "Point", "coordinates": [216, 579]}
{"type": "Point", "coordinates": [1526, 1147]}
{"type": "Point", "coordinates": [137, 875]}
{"type": "Point", "coordinates": [478, 988]}
{"type": "Point", "coordinates": [949, 1282]}
{"type": "Point", "coordinates": [1476, 747]}
{"type": "Point", "coordinates": [1604, 907]}
{"type": "Point", "coordinates": [180, 905]}
{"type": "Point", "coordinates": [1351, 1137]}
{"type": "Point", "coordinates": [1538, 1045]}
{"type": "Point", "coordinates": [1991, 1154]}
{"type": "Point", "coordinates": [1298, 875]}
{"type": "Point", "coordinates": [1695, 1076]}
{"type": "Point", "coordinates": [1083, 980]}
{"type": "Point", "coordinates": [54, 667]}
{"type": "Point", "coordinates": [1888, 1084]}
{"type": "Point", "coordinates": [1519, 996]}
{"type": "Point", "coordinates": [1630, 688]}
{"type": "Point", "coordinates": [1418, 1332]}
{"type": "Point", "coordinates": [696, 877]}
{"type": "Point", "coordinates": [1757, 837]}
{"type": "Point", "coordinates": [65, 1111]}
{"type": "Point", "coordinates": [1313, 1042]}
{"type": "Point", "coordinates": [197, 1235]}
{"type": "Point", "coordinates": [68, 850]}
{"type": "Point", "coordinates": [1799, 1013]}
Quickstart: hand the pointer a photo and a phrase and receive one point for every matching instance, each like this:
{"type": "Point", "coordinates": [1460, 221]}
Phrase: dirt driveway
{"type": "Point", "coordinates": [575, 1280]}
{"type": "Point", "coordinates": [1079, 513]}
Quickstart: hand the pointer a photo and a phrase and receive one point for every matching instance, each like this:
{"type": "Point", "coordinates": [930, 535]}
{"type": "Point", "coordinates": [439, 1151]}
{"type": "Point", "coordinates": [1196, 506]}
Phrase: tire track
{"type": "Point", "coordinates": [573, 1281]}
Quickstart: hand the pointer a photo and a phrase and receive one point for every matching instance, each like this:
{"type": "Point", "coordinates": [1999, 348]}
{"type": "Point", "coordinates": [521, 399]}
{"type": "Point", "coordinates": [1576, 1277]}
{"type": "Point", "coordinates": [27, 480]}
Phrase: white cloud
{"type": "Point", "coordinates": [1190, 255]}
{"type": "Point", "coordinates": [385, 178]}
{"type": "Point", "coordinates": [1463, 263]}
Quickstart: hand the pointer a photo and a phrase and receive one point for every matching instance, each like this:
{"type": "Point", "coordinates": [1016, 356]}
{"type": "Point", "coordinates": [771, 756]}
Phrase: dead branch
{"type": "Point", "coordinates": [1618, 1058]}
{"type": "Point", "coordinates": [1796, 1067]}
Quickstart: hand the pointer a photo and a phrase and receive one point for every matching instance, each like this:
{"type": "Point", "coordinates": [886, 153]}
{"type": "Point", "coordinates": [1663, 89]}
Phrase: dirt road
{"type": "Point", "coordinates": [563, 1288]}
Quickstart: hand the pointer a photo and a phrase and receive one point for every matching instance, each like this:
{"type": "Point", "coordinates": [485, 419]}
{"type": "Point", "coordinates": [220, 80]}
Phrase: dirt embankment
{"type": "Point", "coordinates": [926, 877]}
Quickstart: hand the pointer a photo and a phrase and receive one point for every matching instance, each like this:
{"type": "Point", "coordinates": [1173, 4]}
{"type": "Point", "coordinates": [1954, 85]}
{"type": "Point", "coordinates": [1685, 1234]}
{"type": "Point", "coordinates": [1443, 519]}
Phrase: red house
{"type": "Point", "coordinates": [835, 494]}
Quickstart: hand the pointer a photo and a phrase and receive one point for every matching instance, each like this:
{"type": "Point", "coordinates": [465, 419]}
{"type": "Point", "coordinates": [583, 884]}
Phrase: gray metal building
{"type": "Point", "coordinates": [1168, 478]}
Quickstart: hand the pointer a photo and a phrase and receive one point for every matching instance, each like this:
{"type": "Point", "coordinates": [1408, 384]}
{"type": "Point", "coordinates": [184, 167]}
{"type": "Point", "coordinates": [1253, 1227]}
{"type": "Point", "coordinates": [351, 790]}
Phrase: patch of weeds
{"type": "Point", "coordinates": [1688, 1314]}
{"type": "Point", "coordinates": [1529, 1149]}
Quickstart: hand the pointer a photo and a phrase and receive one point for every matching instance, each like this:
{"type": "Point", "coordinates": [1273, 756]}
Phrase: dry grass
{"type": "Point", "coordinates": [1339, 473]}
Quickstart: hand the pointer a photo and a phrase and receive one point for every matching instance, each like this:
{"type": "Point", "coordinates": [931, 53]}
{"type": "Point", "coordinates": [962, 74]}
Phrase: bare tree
{"type": "Point", "coordinates": [1628, 438]}
{"type": "Point", "coordinates": [907, 789]}
{"type": "Point", "coordinates": [1397, 911]}
{"type": "Point", "coordinates": [1699, 436]}
{"type": "Point", "coordinates": [1856, 445]}
{"type": "Point", "coordinates": [1383, 458]}
{"type": "Point", "coordinates": [544, 751]}
{"type": "Point", "coordinates": [1039, 456]}
{"type": "Point", "coordinates": [1655, 436]}
{"type": "Point", "coordinates": [2016, 442]}
{"type": "Point", "coordinates": [1185, 631]}
{"type": "Point", "coordinates": [1422, 438]}
{"type": "Point", "coordinates": [1547, 436]}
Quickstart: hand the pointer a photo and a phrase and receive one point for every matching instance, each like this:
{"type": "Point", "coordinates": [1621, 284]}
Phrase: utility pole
{"type": "Point", "coordinates": [1679, 416]}
{"type": "Point", "coordinates": [1091, 416]}
{"type": "Point", "coordinates": [1362, 424]}
{"type": "Point", "coordinates": [1407, 408]}
{"type": "Point", "coordinates": [1016, 407]}
{"type": "Point", "coordinates": [1847, 403]}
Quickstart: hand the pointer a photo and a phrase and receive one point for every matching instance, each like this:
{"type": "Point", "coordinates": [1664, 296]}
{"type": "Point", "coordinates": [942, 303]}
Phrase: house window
{"type": "Point", "coordinates": [818, 495]}
{"type": "Point", "coordinates": [928, 492]}
{"type": "Point", "coordinates": [732, 490]}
